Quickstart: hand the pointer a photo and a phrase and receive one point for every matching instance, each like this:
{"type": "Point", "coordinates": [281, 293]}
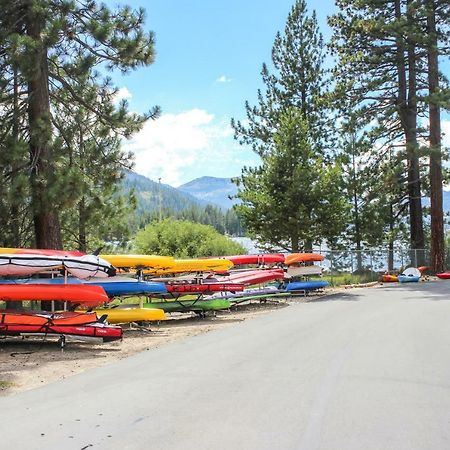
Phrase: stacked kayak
{"type": "Point", "coordinates": [305, 285]}
{"type": "Point", "coordinates": [76, 294]}
{"type": "Point", "coordinates": [197, 305]}
{"type": "Point", "coordinates": [67, 324]}
{"type": "Point", "coordinates": [130, 314]}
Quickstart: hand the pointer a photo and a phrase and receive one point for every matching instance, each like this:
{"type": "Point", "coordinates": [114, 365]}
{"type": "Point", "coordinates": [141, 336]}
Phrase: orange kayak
{"type": "Point", "coordinates": [302, 257]}
{"type": "Point", "coordinates": [389, 278]}
{"type": "Point", "coordinates": [81, 294]}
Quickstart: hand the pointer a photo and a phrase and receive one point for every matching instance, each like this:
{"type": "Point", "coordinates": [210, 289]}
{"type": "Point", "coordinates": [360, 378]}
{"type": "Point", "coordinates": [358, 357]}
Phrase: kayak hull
{"type": "Point", "coordinates": [302, 258]}
{"type": "Point", "coordinates": [127, 315]}
{"type": "Point", "coordinates": [306, 285]}
{"type": "Point", "coordinates": [190, 305]}
{"type": "Point", "coordinates": [390, 278]}
{"type": "Point", "coordinates": [80, 294]}
{"type": "Point", "coordinates": [408, 278]}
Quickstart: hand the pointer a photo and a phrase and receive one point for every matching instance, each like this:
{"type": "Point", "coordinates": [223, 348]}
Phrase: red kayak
{"type": "Point", "coordinates": [261, 259]}
{"type": "Point", "coordinates": [80, 294]}
{"type": "Point", "coordinates": [204, 288]}
{"type": "Point", "coordinates": [443, 275]}
{"type": "Point", "coordinates": [17, 323]}
{"type": "Point", "coordinates": [250, 277]}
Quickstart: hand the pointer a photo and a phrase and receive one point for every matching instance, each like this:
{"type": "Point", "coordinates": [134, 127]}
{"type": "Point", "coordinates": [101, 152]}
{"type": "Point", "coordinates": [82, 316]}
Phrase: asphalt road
{"type": "Point", "coordinates": [368, 369]}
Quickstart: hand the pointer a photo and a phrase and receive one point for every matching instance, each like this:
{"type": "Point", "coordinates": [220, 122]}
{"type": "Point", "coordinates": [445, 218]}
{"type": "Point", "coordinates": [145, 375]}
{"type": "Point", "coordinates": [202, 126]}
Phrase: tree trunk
{"type": "Point", "coordinates": [437, 215]}
{"type": "Point", "coordinates": [391, 238]}
{"type": "Point", "coordinates": [82, 239]}
{"type": "Point", "coordinates": [407, 108]}
{"type": "Point", "coordinates": [45, 215]}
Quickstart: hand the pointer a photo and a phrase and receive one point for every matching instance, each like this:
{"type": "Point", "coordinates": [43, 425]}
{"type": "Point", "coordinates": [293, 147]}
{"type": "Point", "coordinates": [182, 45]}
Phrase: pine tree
{"type": "Point", "coordinates": [55, 47]}
{"type": "Point", "coordinates": [293, 200]}
{"type": "Point", "coordinates": [299, 80]}
{"type": "Point", "coordinates": [378, 63]}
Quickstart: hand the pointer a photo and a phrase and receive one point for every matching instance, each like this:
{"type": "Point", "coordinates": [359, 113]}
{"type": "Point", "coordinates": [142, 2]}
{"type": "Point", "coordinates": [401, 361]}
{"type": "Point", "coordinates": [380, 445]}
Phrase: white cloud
{"type": "Point", "coordinates": [180, 147]}
{"type": "Point", "coordinates": [123, 93]}
{"type": "Point", "coordinates": [223, 79]}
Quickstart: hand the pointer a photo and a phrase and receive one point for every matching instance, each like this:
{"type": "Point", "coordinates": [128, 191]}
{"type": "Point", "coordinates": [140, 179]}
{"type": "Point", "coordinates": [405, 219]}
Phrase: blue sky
{"type": "Point", "coordinates": [208, 61]}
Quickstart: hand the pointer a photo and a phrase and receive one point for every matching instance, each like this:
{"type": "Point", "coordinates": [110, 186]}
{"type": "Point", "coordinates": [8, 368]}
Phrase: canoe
{"type": "Point", "coordinates": [126, 315]}
{"type": "Point", "coordinates": [252, 277]}
{"type": "Point", "coordinates": [203, 288]}
{"type": "Point", "coordinates": [79, 294]}
{"type": "Point", "coordinates": [306, 285]}
{"type": "Point", "coordinates": [389, 278]}
{"type": "Point", "coordinates": [302, 257]}
{"type": "Point", "coordinates": [190, 305]}
{"type": "Point", "coordinates": [408, 278]}
{"type": "Point", "coordinates": [139, 261]}
{"type": "Point", "coordinates": [195, 265]}
{"type": "Point", "coordinates": [443, 275]}
{"type": "Point", "coordinates": [261, 259]}
{"type": "Point", "coordinates": [87, 266]}
{"type": "Point", "coordinates": [40, 251]}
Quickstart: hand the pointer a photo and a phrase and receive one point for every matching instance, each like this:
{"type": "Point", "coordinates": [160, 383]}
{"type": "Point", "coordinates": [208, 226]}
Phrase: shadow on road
{"type": "Point", "coordinates": [338, 296]}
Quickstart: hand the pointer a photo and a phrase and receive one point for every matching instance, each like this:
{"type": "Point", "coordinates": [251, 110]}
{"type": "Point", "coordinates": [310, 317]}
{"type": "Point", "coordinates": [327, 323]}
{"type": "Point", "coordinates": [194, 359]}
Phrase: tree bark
{"type": "Point", "coordinates": [45, 215]}
{"type": "Point", "coordinates": [407, 108]}
{"type": "Point", "coordinates": [437, 215]}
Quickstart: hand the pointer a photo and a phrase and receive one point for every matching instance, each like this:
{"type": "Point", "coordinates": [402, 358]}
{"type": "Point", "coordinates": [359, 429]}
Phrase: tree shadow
{"type": "Point", "coordinates": [338, 296]}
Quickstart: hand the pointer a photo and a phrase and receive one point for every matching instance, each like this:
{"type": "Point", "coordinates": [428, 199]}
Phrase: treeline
{"type": "Point", "coordinates": [348, 152]}
{"type": "Point", "coordinates": [224, 222]}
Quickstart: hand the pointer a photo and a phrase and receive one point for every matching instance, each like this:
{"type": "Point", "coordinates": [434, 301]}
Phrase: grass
{"type": "Point", "coordinates": [348, 278]}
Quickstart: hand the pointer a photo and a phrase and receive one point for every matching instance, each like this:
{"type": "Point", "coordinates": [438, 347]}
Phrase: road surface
{"type": "Point", "coordinates": [366, 369]}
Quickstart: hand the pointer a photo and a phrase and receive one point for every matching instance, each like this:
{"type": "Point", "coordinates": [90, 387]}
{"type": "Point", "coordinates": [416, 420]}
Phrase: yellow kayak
{"type": "Point", "coordinates": [140, 261]}
{"type": "Point", "coordinates": [195, 265]}
{"type": "Point", "coordinates": [126, 315]}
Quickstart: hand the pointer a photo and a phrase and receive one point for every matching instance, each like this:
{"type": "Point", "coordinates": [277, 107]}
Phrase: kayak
{"type": "Point", "coordinates": [190, 305]}
{"type": "Point", "coordinates": [203, 288]}
{"type": "Point", "coordinates": [408, 278]}
{"type": "Point", "coordinates": [302, 257]}
{"type": "Point", "coordinates": [45, 317]}
{"type": "Point", "coordinates": [39, 251]}
{"type": "Point", "coordinates": [114, 287]}
{"type": "Point", "coordinates": [261, 259]}
{"type": "Point", "coordinates": [251, 277]}
{"type": "Point", "coordinates": [389, 278]}
{"type": "Point", "coordinates": [117, 288]}
{"type": "Point", "coordinates": [126, 315]}
{"type": "Point", "coordinates": [245, 293]}
{"type": "Point", "coordinates": [195, 265]}
{"type": "Point", "coordinates": [306, 285]}
{"type": "Point", "coordinates": [443, 275]}
{"type": "Point", "coordinates": [86, 266]}
{"type": "Point", "coordinates": [18, 323]}
{"type": "Point", "coordinates": [79, 294]}
{"type": "Point", "coordinates": [139, 261]}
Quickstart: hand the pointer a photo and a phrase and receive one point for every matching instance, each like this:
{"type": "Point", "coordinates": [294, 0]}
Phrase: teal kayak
{"type": "Point", "coordinates": [190, 305]}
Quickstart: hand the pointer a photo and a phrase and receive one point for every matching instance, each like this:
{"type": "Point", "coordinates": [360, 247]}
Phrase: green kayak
{"type": "Point", "coordinates": [190, 305]}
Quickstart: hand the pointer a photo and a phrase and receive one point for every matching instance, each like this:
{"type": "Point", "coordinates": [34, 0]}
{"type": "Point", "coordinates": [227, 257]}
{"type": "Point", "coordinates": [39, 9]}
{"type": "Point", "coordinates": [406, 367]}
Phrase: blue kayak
{"type": "Point", "coordinates": [408, 278]}
{"type": "Point", "coordinates": [306, 285]}
{"type": "Point", "coordinates": [112, 287]}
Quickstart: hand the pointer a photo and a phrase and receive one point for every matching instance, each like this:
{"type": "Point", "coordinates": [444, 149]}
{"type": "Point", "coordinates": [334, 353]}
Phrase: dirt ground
{"type": "Point", "coordinates": [31, 362]}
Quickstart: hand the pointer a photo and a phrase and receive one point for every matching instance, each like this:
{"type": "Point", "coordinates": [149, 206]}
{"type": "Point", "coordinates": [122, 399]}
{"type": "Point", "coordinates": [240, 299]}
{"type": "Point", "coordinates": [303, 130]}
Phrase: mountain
{"type": "Point", "coordinates": [152, 196]}
{"type": "Point", "coordinates": [211, 190]}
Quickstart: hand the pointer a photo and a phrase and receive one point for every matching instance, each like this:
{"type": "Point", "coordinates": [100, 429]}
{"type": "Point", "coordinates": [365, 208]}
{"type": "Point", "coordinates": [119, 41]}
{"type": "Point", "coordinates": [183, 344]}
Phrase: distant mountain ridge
{"type": "Point", "coordinates": [152, 195]}
{"type": "Point", "coordinates": [212, 190]}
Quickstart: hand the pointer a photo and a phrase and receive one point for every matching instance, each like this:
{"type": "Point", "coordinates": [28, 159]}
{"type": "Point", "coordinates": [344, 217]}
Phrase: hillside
{"type": "Point", "coordinates": [212, 190]}
{"type": "Point", "coordinates": [152, 195]}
